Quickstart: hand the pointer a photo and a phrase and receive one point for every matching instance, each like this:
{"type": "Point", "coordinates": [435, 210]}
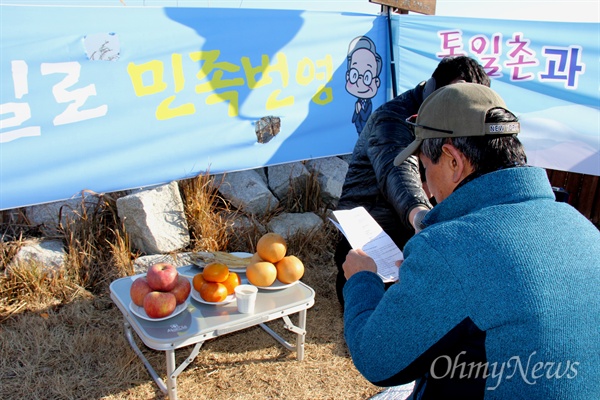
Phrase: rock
{"type": "Point", "coordinates": [289, 224]}
{"type": "Point", "coordinates": [155, 219]}
{"type": "Point", "coordinates": [331, 173]}
{"type": "Point", "coordinates": [50, 254]}
{"type": "Point", "coordinates": [50, 215]}
{"type": "Point", "coordinates": [141, 264]}
{"type": "Point", "coordinates": [287, 179]}
{"type": "Point", "coordinates": [247, 191]}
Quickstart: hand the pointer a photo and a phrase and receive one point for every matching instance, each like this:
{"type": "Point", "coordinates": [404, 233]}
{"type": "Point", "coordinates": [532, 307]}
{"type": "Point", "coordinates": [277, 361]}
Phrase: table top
{"type": "Point", "coordinates": [201, 321]}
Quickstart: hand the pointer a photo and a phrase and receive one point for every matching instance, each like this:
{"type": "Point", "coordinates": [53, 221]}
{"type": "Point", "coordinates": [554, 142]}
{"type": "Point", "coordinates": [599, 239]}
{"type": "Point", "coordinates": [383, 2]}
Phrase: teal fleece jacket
{"type": "Point", "coordinates": [498, 298]}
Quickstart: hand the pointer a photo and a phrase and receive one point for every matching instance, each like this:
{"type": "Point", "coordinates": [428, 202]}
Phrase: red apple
{"type": "Point", "coordinates": [139, 289]}
{"type": "Point", "coordinates": [182, 289]}
{"type": "Point", "coordinates": [162, 277]}
{"type": "Point", "coordinates": [159, 304]}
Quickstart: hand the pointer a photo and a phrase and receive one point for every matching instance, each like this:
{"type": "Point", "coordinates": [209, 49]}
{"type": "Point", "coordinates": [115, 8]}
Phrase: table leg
{"type": "Point", "coordinates": [299, 330]}
{"type": "Point", "coordinates": [301, 336]}
{"type": "Point", "coordinates": [171, 375]}
{"type": "Point", "coordinates": [138, 352]}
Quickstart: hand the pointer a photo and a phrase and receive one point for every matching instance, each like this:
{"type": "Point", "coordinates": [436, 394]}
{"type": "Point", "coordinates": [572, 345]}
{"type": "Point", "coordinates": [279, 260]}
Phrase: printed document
{"type": "Point", "coordinates": [363, 232]}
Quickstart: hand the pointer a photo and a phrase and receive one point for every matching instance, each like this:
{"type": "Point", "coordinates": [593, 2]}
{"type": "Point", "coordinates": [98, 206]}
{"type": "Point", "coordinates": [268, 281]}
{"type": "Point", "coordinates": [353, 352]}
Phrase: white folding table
{"type": "Point", "coordinates": [200, 322]}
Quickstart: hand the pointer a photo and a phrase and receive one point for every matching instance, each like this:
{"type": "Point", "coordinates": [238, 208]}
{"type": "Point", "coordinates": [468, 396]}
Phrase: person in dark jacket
{"type": "Point", "coordinates": [394, 196]}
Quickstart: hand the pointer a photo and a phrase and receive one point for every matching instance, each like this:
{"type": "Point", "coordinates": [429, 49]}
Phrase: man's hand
{"type": "Point", "coordinates": [416, 215]}
{"type": "Point", "coordinates": [356, 261]}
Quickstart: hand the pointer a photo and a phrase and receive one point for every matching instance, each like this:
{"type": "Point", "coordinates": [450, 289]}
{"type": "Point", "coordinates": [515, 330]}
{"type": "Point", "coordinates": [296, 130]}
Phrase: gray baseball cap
{"type": "Point", "coordinates": [457, 110]}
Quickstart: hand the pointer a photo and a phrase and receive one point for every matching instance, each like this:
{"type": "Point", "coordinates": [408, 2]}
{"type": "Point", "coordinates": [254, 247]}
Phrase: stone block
{"type": "Point", "coordinates": [331, 173]}
{"type": "Point", "coordinates": [290, 224]}
{"type": "Point", "coordinates": [286, 179]}
{"type": "Point", "coordinates": [247, 191]}
{"type": "Point", "coordinates": [49, 254]}
{"type": "Point", "coordinates": [155, 219]}
{"type": "Point", "coordinates": [49, 215]}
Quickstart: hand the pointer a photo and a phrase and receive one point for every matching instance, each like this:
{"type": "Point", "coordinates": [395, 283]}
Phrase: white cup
{"type": "Point", "coordinates": [246, 298]}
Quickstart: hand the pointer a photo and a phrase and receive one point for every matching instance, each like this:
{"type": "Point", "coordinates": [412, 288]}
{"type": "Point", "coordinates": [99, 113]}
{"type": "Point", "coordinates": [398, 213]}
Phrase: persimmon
{"type": "Point", "coordinates": [271, 247]}
{"type": "Point", "coordinates": [289, 269]}
{"type": "Point", "coordinates": [262, 273]}
{"type": "Point", "coordinates": [198, 281]}
{"type": "Point", "coordinates": [215, 272]}
{"type": "Point", "coordinates": [231, 282]}
{"type": "Point", "coordinates": [213, 292]}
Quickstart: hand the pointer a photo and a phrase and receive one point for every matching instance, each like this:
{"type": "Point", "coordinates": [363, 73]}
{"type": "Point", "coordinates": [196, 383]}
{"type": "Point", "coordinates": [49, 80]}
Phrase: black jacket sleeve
{"type": "Point", "coordinates": [389, 134]}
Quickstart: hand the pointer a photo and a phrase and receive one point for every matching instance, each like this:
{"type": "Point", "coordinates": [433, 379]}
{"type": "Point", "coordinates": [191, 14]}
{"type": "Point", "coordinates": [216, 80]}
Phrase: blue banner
{"type": "Point", "coordinates": [547, 72]}
{"type": "Point", "coordinates": [113, 98]}
{"type": "Point", "coordinates": [107, 99]}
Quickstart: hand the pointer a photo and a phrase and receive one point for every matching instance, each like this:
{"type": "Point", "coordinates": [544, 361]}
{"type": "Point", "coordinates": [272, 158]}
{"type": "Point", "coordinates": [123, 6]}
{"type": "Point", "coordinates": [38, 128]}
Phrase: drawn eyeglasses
{"type": "Point", "coordinates": [367, 77]}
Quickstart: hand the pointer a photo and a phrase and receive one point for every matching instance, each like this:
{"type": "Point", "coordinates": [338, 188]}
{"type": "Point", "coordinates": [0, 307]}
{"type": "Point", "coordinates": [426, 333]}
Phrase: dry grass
{"type": "Point", "coordinates": [61, 336]}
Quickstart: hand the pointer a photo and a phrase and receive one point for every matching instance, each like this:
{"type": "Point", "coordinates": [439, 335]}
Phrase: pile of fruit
{"type": "Point", "coordinates": [270, 262]}
{"type": "Point", "coordinates": [160, 291]}
{"type": "Point", "coordinates": [215, 282]}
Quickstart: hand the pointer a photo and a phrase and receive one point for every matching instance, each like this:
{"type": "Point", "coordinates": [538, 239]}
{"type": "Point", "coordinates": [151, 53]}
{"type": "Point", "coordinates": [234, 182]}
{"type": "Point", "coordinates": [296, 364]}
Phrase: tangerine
{"type": "Point", "coordinates": [231, 282]}
{"type": "Point", "coordinates": [213, 292]}
{"type": "Point", "coordinates": [289, 269]}
{"type": "Point", "coordinates": [262, 273]}
{"type": "Point", "coordinates": [271, 247]}
{"type": "Point", "coordinates": [198, 281]}
{"type": "Point", "coordinates": [215, 272]}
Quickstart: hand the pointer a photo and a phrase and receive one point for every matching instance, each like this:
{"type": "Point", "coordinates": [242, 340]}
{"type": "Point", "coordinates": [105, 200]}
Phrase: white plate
{"type": "Point", "coordinates": [278, 285]}
{"type": "Point", "coordinates": [228, 299]}
{"type": "Point", "coordinates": [139, 311]}
{"type": "Point", "coordinates": [202, 264]}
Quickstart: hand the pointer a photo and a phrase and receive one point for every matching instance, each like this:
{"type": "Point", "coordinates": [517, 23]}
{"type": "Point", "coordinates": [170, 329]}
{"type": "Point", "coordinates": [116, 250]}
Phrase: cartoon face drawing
{"type": "Point", "coordinates": [362, 78]}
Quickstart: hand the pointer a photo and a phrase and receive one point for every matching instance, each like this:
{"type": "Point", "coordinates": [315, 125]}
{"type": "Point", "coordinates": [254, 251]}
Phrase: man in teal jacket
{"type": "Point", "coordinates": [498, 295]}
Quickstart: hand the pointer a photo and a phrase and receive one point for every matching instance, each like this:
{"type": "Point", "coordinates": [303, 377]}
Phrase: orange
{"type": "Point", "coordinates": [255, 258]}
{"type": "Point", "coordinates": [215, 272]}
{"type": "Point", "coordinates": [213, 292]}
{"type": "Point", "coordinates": [289, 269]}
{"type": "Point", "coordinates": [262, 273]}
{"type": "Point", "coordinates": [198, 281]}
{"type": "Point", "coordinates": [231, 282]}
{"type": "Point", "coordinates": [271, 247]}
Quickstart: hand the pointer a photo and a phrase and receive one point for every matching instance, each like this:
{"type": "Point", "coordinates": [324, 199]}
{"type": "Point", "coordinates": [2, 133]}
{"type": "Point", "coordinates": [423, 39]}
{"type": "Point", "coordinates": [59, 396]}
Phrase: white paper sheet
{"type": "Point", "coordinates": [363, 232]}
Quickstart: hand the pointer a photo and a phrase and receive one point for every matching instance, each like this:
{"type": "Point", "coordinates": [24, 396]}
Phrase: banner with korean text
{"type": "Point", "coordinates": [113, 98]}
{"type": "Point", "coordinates": [547, 72]}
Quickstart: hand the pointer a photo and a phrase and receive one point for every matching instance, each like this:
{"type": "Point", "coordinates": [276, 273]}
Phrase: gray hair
{"type": "Point", "coordinates": [485, 153]}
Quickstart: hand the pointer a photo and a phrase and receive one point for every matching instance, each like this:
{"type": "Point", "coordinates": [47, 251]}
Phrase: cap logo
{"type": "Point", "coordinates": [505, 128]}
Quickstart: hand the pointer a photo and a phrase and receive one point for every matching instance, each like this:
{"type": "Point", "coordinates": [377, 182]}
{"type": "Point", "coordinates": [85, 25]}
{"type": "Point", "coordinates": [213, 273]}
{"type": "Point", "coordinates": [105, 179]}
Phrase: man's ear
{"type": "Point", "coordinates": [457, 163]}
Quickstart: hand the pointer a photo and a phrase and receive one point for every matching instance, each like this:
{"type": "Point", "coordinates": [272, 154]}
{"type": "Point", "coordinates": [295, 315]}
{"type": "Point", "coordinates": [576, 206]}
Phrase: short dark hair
{"type": "Point", "coordinates": [485, 153]}
{"type": "Point", "coordinates": [461, 67]}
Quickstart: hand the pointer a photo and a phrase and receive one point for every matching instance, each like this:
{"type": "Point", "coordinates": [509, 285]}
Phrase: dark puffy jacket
{"type": "Point", "coordinates": [387, 192]}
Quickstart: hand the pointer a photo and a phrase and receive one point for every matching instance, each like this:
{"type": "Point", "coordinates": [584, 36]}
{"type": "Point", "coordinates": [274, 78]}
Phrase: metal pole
{"type": "Point", "coordinates": [392, 62]}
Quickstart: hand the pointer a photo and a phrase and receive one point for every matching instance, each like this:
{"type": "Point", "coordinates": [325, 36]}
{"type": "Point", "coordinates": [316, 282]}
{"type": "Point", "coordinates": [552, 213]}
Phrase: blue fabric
{"type": "Point", "coordinates": [499, 252]}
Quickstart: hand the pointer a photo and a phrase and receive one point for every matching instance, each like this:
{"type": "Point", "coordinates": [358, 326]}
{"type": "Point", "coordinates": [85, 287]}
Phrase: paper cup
{"type": "Point", "coordinates": [246, 298]}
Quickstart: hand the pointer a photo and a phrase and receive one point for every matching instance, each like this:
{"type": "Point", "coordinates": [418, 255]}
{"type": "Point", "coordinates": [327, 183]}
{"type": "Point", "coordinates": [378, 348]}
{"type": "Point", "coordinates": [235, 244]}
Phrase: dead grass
{"type": "Point", "coordinates": [61, 336]}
